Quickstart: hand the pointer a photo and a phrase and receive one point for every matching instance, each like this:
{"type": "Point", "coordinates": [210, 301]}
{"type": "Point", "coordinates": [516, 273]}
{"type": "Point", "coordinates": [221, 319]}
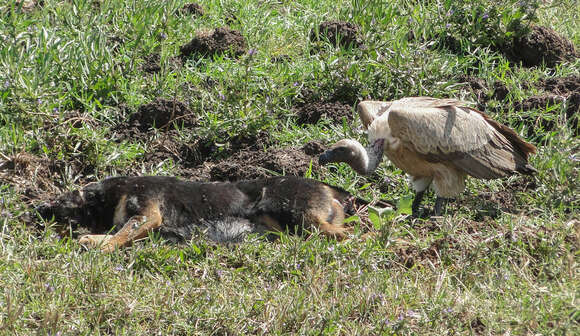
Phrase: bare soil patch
{"type": "Point", "coordinates": [185, 154]}
{"type": "Point", "coordinates": [250, 164]}
{"type": "Point", "coordinates": [338, 33]}
{"type": "Point", "coordinates": [478, 87]}
{"type": "Point", "coordinates": [35, 178]}
{"type": "Point", "coordinates": [314, 148]}
{"type": "Point", "coordinates": [410, 255]}
{"type": "Point", "coordinates": [152, 63]}
{"type": "Point", "coordinates": [539, 102]}
{"type": "Point", "coordinates": [492, 203]}
{"type": "Point", "coordinates": [312, 113]}
{"type": "Point", "coordinates": [541, 45]}
{"type": "Point", "coordinates": [561, 85]}
{"type": "Point", "coordinates": [190, 154]}
{"type": "Point", "coordinates": [222, 40]}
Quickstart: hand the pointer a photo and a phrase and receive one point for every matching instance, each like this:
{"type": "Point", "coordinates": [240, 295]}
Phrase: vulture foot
{"type": "Point", "coordinates": [440, 203]}
{"type": "Point", "coordinates": [415, 207]}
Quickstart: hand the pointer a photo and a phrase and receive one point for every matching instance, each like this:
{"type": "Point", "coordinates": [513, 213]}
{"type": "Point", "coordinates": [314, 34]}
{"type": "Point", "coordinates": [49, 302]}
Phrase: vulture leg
{"type": "Point", "coordinates": [417, 203]}
{"type": "Point", "coordinates": [440, 203]}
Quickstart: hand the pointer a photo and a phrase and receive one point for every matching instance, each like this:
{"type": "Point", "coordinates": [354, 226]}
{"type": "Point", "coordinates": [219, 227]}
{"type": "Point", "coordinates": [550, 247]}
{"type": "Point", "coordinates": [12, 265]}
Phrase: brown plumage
{"type": "Point", "coordinates": [435, 141]}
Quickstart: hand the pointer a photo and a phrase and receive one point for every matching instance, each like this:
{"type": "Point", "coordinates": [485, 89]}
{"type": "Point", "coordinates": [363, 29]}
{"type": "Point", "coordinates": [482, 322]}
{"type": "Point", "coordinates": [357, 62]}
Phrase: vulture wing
{"type": "Point", "coordinates": [369, 110]}
{"type": "Point", "coordinates": [449, 131]}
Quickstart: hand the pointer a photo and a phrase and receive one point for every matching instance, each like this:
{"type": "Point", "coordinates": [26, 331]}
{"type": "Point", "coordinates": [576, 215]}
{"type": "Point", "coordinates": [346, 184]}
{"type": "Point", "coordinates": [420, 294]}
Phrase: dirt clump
{"type": "Point", "coordinates": [477, 86]}
{"type": "Point", "coordinates": [500, 91]}
{"type": "Point", "coordinates": [542, 45]}
{"type": "Point", "coordinates": [249, 164]}
{"type": "Point", "coordinates": [564, 90]}
{"type": "Point", "coordinates": [311, 113]}
{"type": "Point", "coordinates": [252, 141]}
{"type": "Point", "coordinates": [338, 33]}
{"type": "Point", "coordinates": [115, 42]}
{"type": "Point", "coordinates": [477, 326]}
{"type": "Point", "coordinates": [193, 9]}
{"type": "Point", "coordinates": [152, 63]}
{"type": "Point", "coordinates": [222, 40]}
{"type": "Point", "coordinates": [160, 113]}
{"type": "Point", "coordinates": [546, 122]}
{"type": "Point", "coordinates": [492, 203]}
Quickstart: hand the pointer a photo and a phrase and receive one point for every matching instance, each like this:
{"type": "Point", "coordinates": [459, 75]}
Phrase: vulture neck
{"type": "Point", "coordinates": [367, 159]}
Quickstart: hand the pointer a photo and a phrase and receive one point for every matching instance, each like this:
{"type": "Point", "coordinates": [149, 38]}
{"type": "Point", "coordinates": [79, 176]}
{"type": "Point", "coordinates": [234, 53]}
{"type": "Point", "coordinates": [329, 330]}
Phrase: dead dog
{"type": "Point", "coordinates": [226, 211]}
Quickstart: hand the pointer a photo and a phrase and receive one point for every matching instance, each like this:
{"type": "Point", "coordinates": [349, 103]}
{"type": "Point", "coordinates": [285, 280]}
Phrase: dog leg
{"type": "Point", "coordinates": [136, 227]}
{"type": "Point", "coordinates": [334, 231]}
{"type": "Point", "coordinates": [331, 224]}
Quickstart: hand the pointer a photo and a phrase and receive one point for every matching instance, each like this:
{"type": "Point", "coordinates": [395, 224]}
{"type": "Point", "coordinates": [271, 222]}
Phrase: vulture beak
{"type": "Point", "coordinates": [325, 157]}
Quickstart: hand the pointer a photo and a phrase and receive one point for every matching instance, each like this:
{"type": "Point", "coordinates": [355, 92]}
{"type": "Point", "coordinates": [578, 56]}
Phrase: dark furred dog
{"type": "Point", "coordinates": [226, 212]}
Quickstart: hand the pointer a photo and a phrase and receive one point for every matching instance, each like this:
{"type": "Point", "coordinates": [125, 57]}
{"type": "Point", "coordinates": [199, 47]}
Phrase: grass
{"type": "Point", "coordinates": [471, 272]}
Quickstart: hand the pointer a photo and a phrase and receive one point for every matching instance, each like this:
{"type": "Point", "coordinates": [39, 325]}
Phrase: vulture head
{"type": "Point", "coordinates": [363, 160]}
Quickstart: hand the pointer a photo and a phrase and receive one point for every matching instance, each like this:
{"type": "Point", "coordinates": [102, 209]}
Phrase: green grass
{"type": "Point", "coordinates": [467, 273]}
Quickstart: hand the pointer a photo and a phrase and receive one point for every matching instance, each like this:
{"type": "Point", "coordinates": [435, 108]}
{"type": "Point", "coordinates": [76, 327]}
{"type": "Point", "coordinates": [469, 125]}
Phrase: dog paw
{"type": "Point", "coordinates": [97, 241]}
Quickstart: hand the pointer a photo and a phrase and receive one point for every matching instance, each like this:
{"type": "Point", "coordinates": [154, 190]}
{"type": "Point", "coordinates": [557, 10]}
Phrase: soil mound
{"type": "Point", "coordinates": [311, 113]}
{"type": "Point", "coordinates": [338, 33]}
{"type": "Point", "coordinates": [186, 154]}
{"type": "Point", "coordinates": [220, 41]}
{"type": "Point", "coordinates": [542, 45]}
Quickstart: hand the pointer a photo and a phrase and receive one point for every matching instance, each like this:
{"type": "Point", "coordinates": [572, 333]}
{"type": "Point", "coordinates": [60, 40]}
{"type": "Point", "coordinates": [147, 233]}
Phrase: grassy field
{"type": "Point", "coordinates": [504, 260]}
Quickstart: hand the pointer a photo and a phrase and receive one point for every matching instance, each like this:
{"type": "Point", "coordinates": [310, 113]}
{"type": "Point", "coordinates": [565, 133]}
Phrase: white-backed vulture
{"type": "Point", "coordinates": [435, 141]}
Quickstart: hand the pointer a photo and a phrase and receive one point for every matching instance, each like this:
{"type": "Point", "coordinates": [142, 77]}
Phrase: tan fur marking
{"type": "Point", "coordinates": [120, 215]}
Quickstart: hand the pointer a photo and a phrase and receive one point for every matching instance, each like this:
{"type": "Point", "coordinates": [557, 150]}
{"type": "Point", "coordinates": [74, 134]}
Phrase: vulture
{"type": "Point", "coordinates": [436, 142]}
